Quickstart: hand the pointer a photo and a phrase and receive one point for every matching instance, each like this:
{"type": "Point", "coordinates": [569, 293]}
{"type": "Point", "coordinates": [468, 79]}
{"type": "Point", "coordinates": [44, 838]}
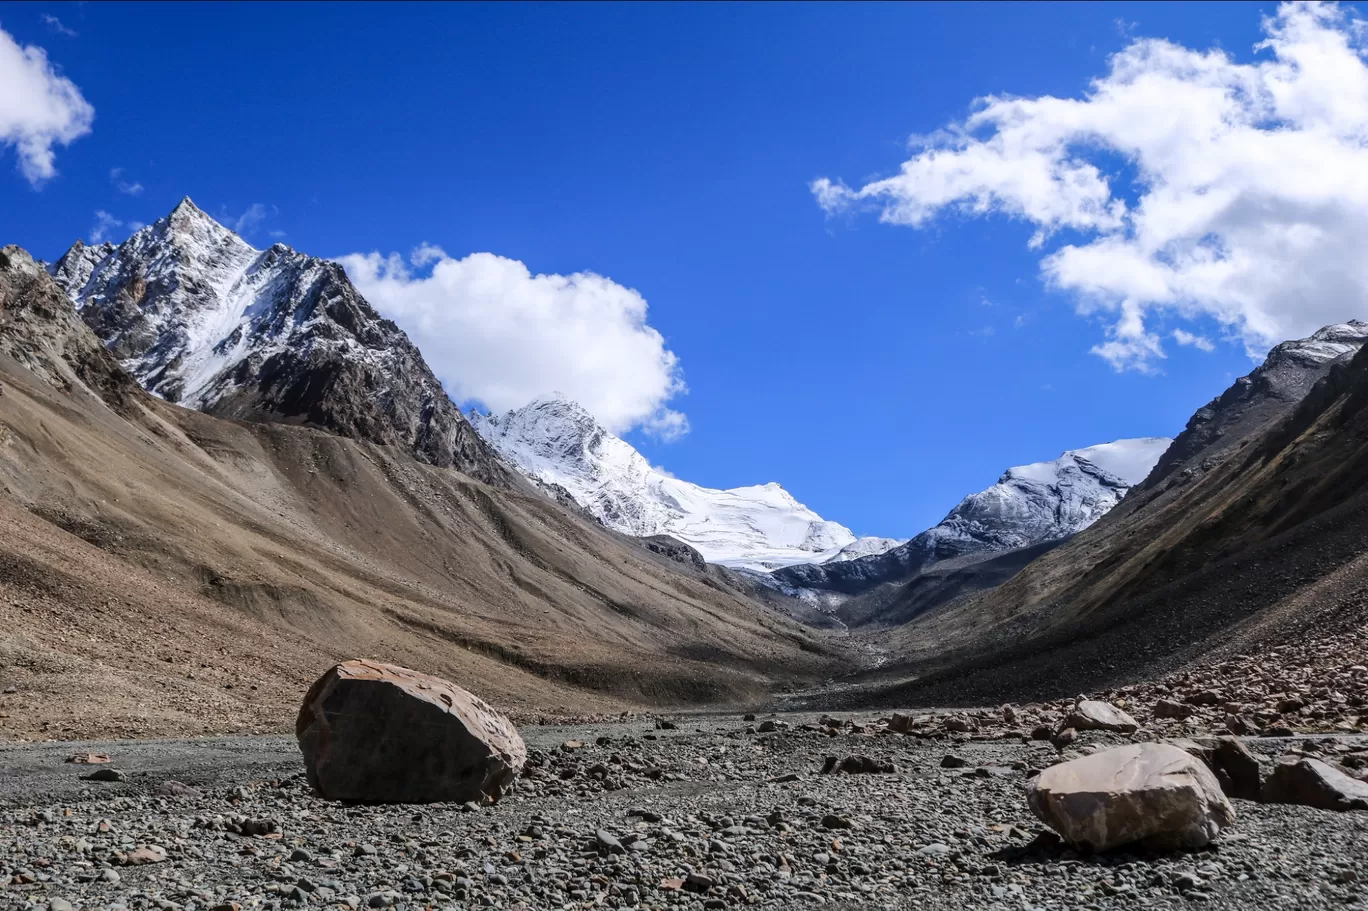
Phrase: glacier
{"type": "Point", "coordinates": [557, 442]}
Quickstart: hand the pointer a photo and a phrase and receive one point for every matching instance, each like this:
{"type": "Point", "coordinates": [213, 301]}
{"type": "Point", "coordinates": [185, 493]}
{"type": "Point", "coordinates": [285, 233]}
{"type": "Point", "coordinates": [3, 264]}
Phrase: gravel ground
{"type": "Point", "coordinates": [709, 813]}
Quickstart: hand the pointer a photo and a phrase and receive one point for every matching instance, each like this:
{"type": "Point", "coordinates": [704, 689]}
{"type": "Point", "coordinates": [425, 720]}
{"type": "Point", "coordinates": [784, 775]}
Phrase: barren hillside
{"type": "Point", "coordinates": [167, 572]}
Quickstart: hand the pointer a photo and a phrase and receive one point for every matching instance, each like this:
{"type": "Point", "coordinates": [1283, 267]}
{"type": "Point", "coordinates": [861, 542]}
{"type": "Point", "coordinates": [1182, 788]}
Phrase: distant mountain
{"type": "Point", "coordinates": [201, 318]}
{"type": "Point", "coordinates": [1028, 506]}
{"type": "Point", "coordinates": [560, 445]}
{"type": "Point", "coordinates": [1249, 534]}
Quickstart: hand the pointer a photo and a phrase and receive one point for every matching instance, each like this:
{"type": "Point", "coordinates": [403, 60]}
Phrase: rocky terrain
{"type": "Point", "coordinates": [689, 812]}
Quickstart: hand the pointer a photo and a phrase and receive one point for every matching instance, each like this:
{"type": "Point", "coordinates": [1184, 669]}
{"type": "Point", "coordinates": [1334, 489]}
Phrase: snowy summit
{"type": "Point", "coordinates": [557, 442]}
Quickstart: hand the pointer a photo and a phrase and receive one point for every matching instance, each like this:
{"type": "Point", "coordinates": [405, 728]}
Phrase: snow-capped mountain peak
{"type": "Point", "coordinates": [1029, 505]}
{"type": "Point", "coordinates": [1044, 501]}
{"type": "Point", "coordinates": [761, 527]}
{"type": "Point", "coordinates": [200, 317]}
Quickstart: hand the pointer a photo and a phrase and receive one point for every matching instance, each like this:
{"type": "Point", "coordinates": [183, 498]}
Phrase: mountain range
{"type": "Point", "coordinates": [225, 456]}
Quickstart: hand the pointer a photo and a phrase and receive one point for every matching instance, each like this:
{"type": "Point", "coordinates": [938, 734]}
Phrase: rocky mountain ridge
{"type": "Point", "coordinates": [201, 318]}
{"type": "Point", "coordinates": [1030, 505]}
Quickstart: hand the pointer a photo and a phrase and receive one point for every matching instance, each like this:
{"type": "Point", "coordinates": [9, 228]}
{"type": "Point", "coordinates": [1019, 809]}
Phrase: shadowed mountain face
{"type": "Point", "coordinates": [1253, 401]}
{"type": "Point", "coordinates": [201, 572]}
{"type": "Point", "coordinates": [1257, 538]}
{"type": "Point", "coordinates": [202, 319]}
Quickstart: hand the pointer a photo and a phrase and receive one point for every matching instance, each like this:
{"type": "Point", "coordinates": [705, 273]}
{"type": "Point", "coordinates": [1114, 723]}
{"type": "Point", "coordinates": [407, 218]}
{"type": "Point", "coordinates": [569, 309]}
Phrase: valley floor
{"type": "Point", "coordinates": [620, 815]}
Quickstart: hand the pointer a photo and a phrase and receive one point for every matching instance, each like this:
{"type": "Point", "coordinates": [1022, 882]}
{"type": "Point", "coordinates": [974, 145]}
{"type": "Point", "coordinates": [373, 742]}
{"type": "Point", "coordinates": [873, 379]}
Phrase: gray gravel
{"type": "Point", "coordinates": [710, 814]}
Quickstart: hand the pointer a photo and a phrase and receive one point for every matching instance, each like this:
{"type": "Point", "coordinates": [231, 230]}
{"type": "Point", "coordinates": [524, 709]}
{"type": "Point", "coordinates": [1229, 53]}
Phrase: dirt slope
{"type": "Point", "coordinates": [156, 564]}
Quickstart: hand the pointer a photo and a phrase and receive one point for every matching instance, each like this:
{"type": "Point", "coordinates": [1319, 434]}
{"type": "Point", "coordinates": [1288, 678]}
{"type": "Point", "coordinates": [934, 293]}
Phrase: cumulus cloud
{"type": "Point", "coordinates": [39, 108]}
{"type": "Point", "coordinates": [498, 334]}
{"type": "Point", "coordinates": [1182, 183]}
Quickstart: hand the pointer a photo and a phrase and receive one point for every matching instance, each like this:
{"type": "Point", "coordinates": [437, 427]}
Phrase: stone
{"type": "Point", "coordinates": [899, 723]}
{"type": "Point", "coordinates": [85, 758]}
{"type": "Point", "coordinates": [105, 775]}
{"type": "Point", "coordinates": [1311, 783]}
{"type": "Point", "coordinates": [607, 843]}
{"type": "Point", "coordinates": [379, 733]}
{"type": "Point", "coordinates": [950, 761]}
{"type": "Point", "coordinates": [1165, 708]}
{"type": "Point", "coordinates": [697, 882]}
{"type": "Point", "coordinates": [1153, 794]}
{"type": "Point", "coordinates": [858, 765]}
{"type": "Point", "coordinates": [1095, 715]}
{"type": "Point", "coordinates": [767, 727]}
{"type": "Point", "coordinates": [147, 854]}
{"type": "Point", "coordinates": [959, 725]}
{"type": "Point", "coordinates": [832, 821]}
{"type": "Point", "coordinates": [1240, 767]}
{"type": "Point", "coordinates": [1063, 738]}
{"type": "Point", "coordinates": [173, 788]}
{"type": "Point", "coordinates": [60, 904]}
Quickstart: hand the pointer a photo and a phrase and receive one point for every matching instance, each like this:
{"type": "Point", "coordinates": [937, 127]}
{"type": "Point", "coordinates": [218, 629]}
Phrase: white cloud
{"type": "Point", "coordinates": [1200, 342]}
{"type": "Point", "coordinates": [497, 334]}
{"type": "Point", "coordinates": [105, 224]}
{"type": "Point", "coordinates": [127, 187]}
{"type": "Point", "coordinates": [58, 26]}
{"type": "Point", "coordinates": [1248, 185]}
{"type": "Point", "coordinates": [248, 221]}
{"type": "Point", "coordinates": [39, 108]}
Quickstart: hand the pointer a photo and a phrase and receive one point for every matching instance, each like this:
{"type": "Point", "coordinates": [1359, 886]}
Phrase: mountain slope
{"type": "Point", "coordinates": [559, 444]}
{"type": "Point", "coordinates": [1029, 505]}
{"type": "Point", "coordinates": [1266, 394]}
{"type": "Point", "coordinates": [200, 572]}
{"type": "Point", "coordinates": [201, 318]}
{"type": "Point", "coordinates": [1264, 543]}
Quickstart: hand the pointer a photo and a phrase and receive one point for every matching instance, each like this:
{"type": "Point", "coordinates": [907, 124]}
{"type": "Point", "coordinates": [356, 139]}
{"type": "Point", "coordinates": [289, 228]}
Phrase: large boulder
{"type": "Point", "coordinates": [379, 733]}
{"type": "Point", "coordinates": [1095, 715]}
{"type": "Point", "coordinates": [1153, 794]}
{"type": "Point", "coordinates": [1312, 783]}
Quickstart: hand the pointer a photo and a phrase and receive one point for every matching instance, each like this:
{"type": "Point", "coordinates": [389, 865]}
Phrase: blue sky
{"type": "Point", "coordinates": [878, 371]}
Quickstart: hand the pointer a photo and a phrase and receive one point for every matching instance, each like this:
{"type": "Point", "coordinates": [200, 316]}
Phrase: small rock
{"type": "Point", "coordinates": [105, 775]}
{"type": "Point", "coordinates": [147, 854]}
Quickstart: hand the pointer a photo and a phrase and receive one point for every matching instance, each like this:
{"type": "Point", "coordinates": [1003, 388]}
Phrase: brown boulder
{"type": "Point", "coordinates": [899, 723]}
{"type": "Point", "coordinates": [1241, 770]}
{"type": "Point", "coordinates": [1095, 715]}
{"type": "Point", "coordinates": [1167, 709]}
{"type": "Point", "coordinates": [1153, 794]}
{"type": "Point", "coordinates": [1312, 783]}
{"type": "Point", "coordinates": [379, 733]}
